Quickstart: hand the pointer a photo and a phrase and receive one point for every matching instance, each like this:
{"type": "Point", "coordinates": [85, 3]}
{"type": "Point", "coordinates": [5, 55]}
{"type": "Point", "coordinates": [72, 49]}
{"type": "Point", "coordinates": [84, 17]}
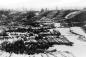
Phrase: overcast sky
{"type": "Point", "coordinates": [38, 4]}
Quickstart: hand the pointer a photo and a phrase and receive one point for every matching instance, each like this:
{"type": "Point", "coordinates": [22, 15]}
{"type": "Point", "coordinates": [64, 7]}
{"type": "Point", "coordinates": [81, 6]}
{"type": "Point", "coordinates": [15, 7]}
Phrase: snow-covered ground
{"type": "Point", "coordinates": [79, 47]}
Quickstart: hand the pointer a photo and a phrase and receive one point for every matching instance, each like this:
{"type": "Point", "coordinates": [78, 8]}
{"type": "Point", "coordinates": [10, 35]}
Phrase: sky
{"type": "Point", "coordinates": [38, 4]}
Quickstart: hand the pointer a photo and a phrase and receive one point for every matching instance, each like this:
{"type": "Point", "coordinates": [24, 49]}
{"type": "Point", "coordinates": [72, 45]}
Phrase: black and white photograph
{"type": "Point", "coordinates": [42, 28]}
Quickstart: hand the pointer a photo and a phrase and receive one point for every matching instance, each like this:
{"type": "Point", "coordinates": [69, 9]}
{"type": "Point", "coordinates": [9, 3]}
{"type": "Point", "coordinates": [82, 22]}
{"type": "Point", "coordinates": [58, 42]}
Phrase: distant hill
{"type": "Point", "coordinates": [16, 18]}
{"type": "Point", "coordinates": [76, 19]}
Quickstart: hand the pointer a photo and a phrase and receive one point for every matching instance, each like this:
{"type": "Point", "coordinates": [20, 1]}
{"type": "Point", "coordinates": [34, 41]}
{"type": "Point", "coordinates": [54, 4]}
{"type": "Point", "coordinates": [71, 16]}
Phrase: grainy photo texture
{"type": "Point", "coordinates": [42, 28]}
